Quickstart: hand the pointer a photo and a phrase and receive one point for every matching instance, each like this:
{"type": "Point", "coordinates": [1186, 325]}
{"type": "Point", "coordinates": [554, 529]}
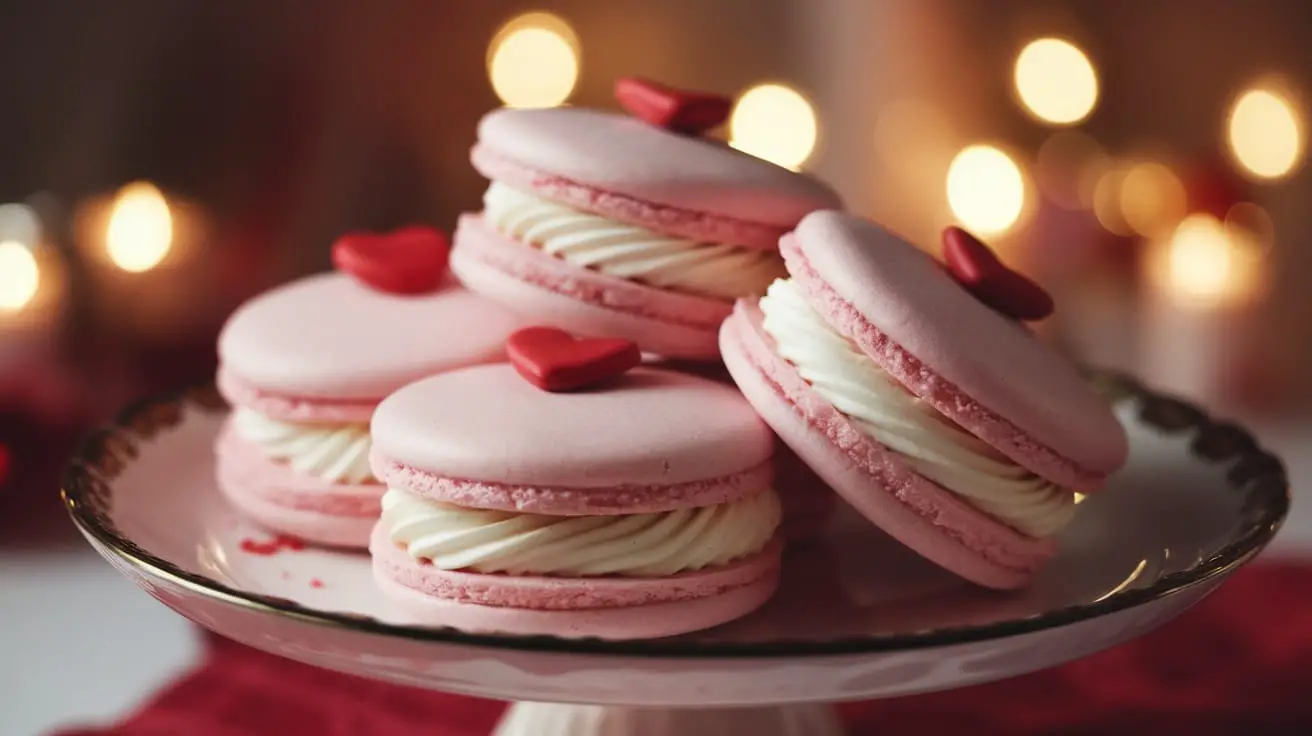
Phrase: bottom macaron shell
{"type": "Point", "coordinates": [582, 301]}
{"type": "Point", "coordinates": [608, 607]}
{"type": "Point", "coordinates": [277, 497]}
{"type": "Point", "coordinates": [928, 519]}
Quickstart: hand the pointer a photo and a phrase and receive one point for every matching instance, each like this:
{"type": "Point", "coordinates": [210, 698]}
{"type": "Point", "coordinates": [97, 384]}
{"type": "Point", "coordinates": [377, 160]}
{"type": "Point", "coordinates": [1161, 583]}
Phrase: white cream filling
{"type": "Point", "coordinates": [932, 445]}
{"type": "Point", "coordinates": [338, 453]}
{"type": "Point", "coordinates": [635, 545]}
{"type": "Point", "coordinates": [628, 251]}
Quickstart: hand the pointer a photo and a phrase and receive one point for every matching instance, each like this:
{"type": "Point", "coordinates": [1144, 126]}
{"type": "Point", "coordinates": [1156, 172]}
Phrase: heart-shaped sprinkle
{"type": "Point", "coordinates": [554, 360]}
{"type": "Point", "coordinates": [411, 260]}
{"type": "Point", "coordinates": [689, 113]}
{"type": "Point", "coordinates": [970, 263]}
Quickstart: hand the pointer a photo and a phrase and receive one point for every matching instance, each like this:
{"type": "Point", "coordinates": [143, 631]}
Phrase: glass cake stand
{"type": "Point", "coordinates": [856, 617]}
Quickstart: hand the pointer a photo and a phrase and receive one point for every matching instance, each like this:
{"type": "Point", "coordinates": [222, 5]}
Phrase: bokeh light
{"type": "Point", "coordinates": [776, 123]}
{"type": "Point", "coordinates": [1266, 133]}
{"type": "Point", "coordinates": [1152, 199]}
{"type": "Point", "coordinates": [1055, 81]}
{"type": "Point", "coordinates": [986, 190]}
{"type": "Point", "coordinates": [19, 276]}
{"type": "Point", "coordinates": [1205, 265]}
{"type": "Point", "coordinates": [140, 230]}
{"type": "Point", "coordinates": [533, 61]}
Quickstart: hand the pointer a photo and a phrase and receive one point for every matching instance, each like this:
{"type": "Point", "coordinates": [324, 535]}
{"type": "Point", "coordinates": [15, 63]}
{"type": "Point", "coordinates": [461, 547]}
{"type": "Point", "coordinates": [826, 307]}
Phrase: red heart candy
{"type": "Point", "coordinates": [970, 263]}
{"type": "Point", "coordinates": [691, 113]}
{"type": "Point", "coordinates": [411, 260]}
{"type": "Point", "coordinates": [554, 360]}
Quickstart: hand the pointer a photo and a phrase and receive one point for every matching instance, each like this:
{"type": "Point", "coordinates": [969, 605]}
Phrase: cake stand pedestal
{"type": "Point", "coordinates": [559, 719]}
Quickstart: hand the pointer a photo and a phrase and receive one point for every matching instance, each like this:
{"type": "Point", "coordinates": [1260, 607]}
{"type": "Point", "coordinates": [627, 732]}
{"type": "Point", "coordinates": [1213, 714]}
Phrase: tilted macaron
{"type": "Point", "coordinates": [609, 225]}
{"type": "Point", "coordinates": [945, 422]}
{"type": "Point", "coordinates": [306, 363]}
{"type": "Point", "coordinates": [637, 507]}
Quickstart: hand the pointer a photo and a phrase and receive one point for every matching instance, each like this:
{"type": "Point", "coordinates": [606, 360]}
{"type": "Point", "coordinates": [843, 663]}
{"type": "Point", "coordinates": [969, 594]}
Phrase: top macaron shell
{"type": "Point", "coordinates": [860, 275]}
{"type": "Point", "coordinates": [621, 155]}
{"type": "Point", "coordinates": [646, 428]}
{"type": "Point", "coordinates": [328, 337]}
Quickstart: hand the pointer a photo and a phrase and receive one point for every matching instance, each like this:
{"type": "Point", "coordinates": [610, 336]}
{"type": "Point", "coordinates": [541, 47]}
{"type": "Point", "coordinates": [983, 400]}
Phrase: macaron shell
{"type": "Point", "coordinates": [554, 292]}
{"type": "Point", "coordinates": [980, 369]}
{"type": "Point", "coordinates": [328, 337]}
{"type": "Point", "coordinates": [277, 497]}
{"type": "Point", "coordinates": [634, 621]}
{"type": "Point", "coordinates": [606, 500]}
{"type": "Point", "coordinates": [647, 427]}
{"type": "Point", "coordinates": [622, 155]}
{"type": "Point", "coordinates": [928, 519]}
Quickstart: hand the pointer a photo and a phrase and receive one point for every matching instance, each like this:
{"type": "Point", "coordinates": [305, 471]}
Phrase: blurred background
{"type": "Point", "coordinates": [166, 159]}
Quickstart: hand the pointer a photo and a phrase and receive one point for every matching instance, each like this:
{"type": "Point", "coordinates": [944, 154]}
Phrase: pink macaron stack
{"type": "Point", "coordinates": [914, 390]}
{"type": "Point", "coordinates": [575, 495]}
{"type": "Point", "coordinates": [632, 226]}
{"type": "Point", "coordinates": [305, 364]}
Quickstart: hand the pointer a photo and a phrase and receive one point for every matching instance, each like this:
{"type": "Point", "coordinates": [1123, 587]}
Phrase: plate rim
{"type": "Point", "coordinates": [85, 491]}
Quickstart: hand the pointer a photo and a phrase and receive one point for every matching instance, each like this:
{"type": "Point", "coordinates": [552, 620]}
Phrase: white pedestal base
{"type": "Point", "coordinates": [553, 719]}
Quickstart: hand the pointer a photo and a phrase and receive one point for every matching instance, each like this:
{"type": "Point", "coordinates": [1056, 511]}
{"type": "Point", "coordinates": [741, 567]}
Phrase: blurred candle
{"type": "Point", "coordinates": [32, 291]}
{"type": "Point", "coordinates": [145, 250]}
{"type": "Point", "coordinates": [1206, 286]}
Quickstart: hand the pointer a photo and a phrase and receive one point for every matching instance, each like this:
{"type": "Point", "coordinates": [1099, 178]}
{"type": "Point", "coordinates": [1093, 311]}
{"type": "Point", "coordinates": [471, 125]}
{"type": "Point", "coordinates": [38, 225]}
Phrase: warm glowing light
{"type": "Point", "coordinates": [1205, 265]}
{"type": "Point", "coordinates": [140, 228]}
{"type": "Point", "coordinates": [19, 276]}
{"type": "Point", "coordinates": [1266, 133]}
{"type": "Point", "coordinates": [533, 61]}
{"type": "Point", "coordinates": [985, 189]}
{"type": "Point", "coordinates": [1056, 81]}
{"type": "Point", "coordinates": [774, 122]}
{"type": "Point", "coordinates": [1152, 199]}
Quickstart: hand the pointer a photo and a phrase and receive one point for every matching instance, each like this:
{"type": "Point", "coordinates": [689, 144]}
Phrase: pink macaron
{"type": "Point", "coordinates": [946, 423]}
{"type": "Point", "coordinates": [638, 507]}
{"type": "Point", "coordinates": [607, 225]}
{"type": "Point", "coordinates": [304, 366]}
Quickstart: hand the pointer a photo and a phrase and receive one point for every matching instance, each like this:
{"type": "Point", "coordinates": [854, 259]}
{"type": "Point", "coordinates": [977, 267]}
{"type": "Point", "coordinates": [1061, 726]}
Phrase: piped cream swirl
{"type": "Point", "coordinates": [338, 453]}
{"type": "Point", "coordinates": [628, 251]}
{"type": "Point", "coordinates": [931, 444]}
{"type": "Point", "coordinates": [635, 545]}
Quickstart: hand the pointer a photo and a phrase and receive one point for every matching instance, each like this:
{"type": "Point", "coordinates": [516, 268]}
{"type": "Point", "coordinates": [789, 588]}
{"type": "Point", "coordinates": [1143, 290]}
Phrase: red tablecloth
{"type": "Point", "coordinates": [1240, 662]}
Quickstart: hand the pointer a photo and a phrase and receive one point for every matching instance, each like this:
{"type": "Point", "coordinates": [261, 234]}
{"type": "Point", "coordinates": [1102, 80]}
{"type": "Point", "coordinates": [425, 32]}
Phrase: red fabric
{"type": "Point", "coordinates": [1238, 663]}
